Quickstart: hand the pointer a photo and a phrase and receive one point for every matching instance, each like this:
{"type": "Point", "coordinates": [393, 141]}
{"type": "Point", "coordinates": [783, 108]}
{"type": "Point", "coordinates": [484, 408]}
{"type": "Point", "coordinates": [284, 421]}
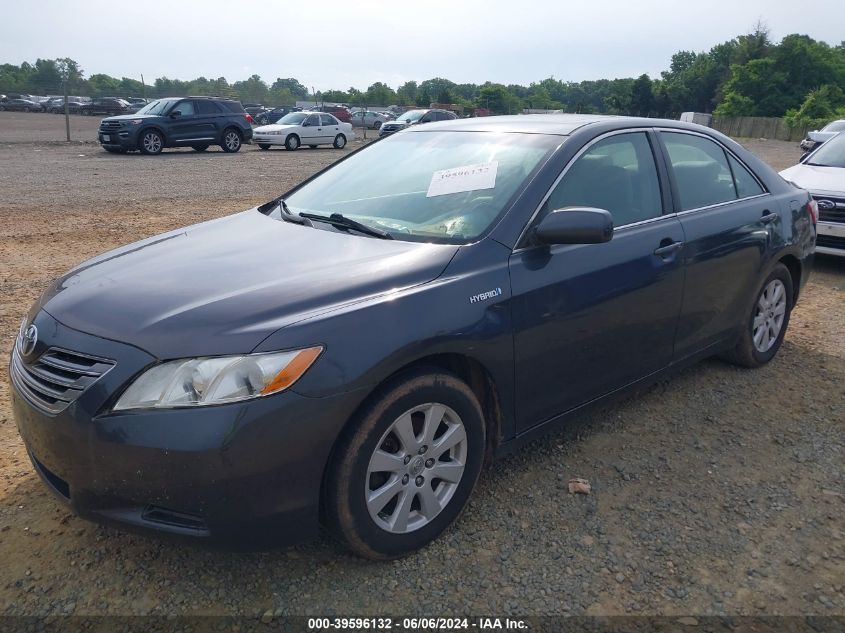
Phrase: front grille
{"type": "Point", "coordinates": [836, 214]}
{"type": "Point", "coordinates": [831, 241]}
{"type": "Point", "coordinates": [56, 378]}
{"type": "Point", "coordinates": [109, 126]}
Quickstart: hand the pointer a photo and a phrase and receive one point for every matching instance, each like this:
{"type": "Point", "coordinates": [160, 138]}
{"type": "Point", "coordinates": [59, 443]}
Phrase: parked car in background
{"type": "Point", "coordinates": [135, 104]}
{"type": "Point", "coordinates": [822, 173]}
{"type": "Point", "coordinates": [254, 109]}
{"type": "Point", "coordinates": [56, 105]}
{"type": "Point", "coordinates": [196, 122]}
{"type": "Point", "coordinates": [104, 105]}
{"type": "Point", "coordinates": [415, 117]}
{"type": "Point", "coordinates": [340, 112]}
{"type": "Point", "coordinates": [304, 128]}
{"type": "Point", "coordinates": [20, 105]}
{"type": "Point", "coordinates": [370, 119]}
{"type": "Point", "coordinates": [271, 116]}
{"type": "Point", "coordinates": [354, 351]}
{"type": "Point", "coordinates": [817, 137]}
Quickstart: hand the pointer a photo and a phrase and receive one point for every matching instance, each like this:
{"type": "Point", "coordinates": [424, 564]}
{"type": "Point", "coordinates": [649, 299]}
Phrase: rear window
{"type": "Point", "coordinates": [232, 106]}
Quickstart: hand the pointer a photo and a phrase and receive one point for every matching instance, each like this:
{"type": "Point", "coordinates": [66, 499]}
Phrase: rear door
{"type": "Point", "coordinates": [207, 121]}
{"type": "Point", "coordinates": [331, 127]}
{"type": "Point", "coordinates": [592, 318]}
{"type": "Point", "coordinates": [729, 221]}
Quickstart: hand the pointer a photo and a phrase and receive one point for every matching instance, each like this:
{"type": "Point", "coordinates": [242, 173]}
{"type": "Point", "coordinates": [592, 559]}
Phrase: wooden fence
{"type": "Point", "coordinates": [758, 127]}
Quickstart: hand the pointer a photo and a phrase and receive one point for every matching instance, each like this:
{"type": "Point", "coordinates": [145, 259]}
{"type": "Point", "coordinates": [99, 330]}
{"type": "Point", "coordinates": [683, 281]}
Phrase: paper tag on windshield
{"type": "Point", "coordinates": [460, 179]}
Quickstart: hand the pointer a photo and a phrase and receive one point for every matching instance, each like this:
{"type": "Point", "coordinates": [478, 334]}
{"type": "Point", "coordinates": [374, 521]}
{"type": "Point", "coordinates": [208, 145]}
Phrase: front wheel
{"type": "Point", "coordinates": [231, 141]}
{"type": "Point", "coordinates": [765, 326]}
{"type": "Point", "coordinates": [292, 142]}
{"type": "Point", "coordinates": [406, 465]}
{"type": "Point", "coordinates": [339, 141]}
{"type": "Point", "coordinates": [151, 143]}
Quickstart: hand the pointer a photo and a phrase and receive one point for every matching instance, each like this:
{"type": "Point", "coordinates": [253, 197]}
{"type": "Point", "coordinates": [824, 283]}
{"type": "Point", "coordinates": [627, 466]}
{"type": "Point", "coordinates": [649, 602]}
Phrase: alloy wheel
{"type": "Point", "coordinates": [769, 315]}
{"type": "Point", "coordinates": [232, 141]}
{"type": "Point", "coordinates": [152, 142]}
{"type": "Point", "coordinates": [416, 468]}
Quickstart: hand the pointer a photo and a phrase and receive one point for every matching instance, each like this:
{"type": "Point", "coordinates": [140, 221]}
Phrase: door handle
{"type": "Point", "coordinates": [668, 249]}
{"type": "Point", "coordinates": [768, 217]}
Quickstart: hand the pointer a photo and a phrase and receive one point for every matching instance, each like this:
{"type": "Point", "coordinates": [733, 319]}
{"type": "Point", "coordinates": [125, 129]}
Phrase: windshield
{"type": "Point", "coordinates": [446, 187]}
{"type": "Point", "coordinates": [411, 115]}
{"type": "Point", "coordinates": [836, 126]}
{"type": "Point", "coordinates": [294, 118]}
{"type": "Point", "coordinates": [831, 154]}
{"type": "Point", "coordinates": [156, 107]}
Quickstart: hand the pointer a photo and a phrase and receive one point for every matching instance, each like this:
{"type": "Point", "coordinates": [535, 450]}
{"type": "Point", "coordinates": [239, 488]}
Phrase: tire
{"type": "Point", "coordinates": [2, 108]}
{"type": "Point", "coordinates": [370, 456]}
{"type": "Point", "coordinates": [765, 326]}
{"type": "Point", "coordinates": [231, 141]}
{"type": "Point", "coordinates": [262, 120]}
{"type": "Point", "coordinates": [339, 141]}
{"type": "Point", "coordinates": [26, 109]}
{"type": "Point", "coordinates": [263, 146]}
{"type": "Point", "coordinates": [292, 142]}
{"type": "Point", "coordinates": [151, 142]}
{"type": "Point", "coordinates": [376, 124]}
{"type": "Point", "coordinates": [199, 148]}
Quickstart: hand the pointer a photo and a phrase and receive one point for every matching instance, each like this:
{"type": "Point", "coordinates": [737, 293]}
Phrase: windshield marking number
{"type": "Point", "coordinates": [462, 179]}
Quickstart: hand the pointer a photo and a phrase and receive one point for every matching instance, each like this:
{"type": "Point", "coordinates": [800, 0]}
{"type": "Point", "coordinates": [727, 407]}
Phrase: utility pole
{"type": "Point", "coordinates": [143, 87]}
{"type": "Point", "coordinates": [67, 113]}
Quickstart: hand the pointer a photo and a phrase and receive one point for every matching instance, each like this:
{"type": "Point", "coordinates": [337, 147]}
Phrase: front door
{"type": "Point", "coordinates": [312, 131]}
{"type": "Point", "coordinates": [183, 121]}
{"type": "Point", "coordinates": [592, 318]}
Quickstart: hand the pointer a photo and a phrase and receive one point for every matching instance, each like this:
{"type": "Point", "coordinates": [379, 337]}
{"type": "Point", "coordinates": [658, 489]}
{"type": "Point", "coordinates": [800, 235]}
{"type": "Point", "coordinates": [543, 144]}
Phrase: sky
{"type": "Point", "coordinates": [337, 44]}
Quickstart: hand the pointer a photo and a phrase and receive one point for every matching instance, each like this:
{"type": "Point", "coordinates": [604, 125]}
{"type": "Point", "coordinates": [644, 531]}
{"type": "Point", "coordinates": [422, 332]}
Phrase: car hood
{"type": "Point", "coordinates": [817, 179]}
{"type": "Point", "coordinates": [273, 127]}
{"type": "Point", "coordinates": [130, 117]}
{"type": "Point", "coordinates": [221, 287]}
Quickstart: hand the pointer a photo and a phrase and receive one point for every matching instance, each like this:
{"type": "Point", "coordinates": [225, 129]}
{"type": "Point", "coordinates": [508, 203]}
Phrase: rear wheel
{"type": "Point", "coordinates": [292, 142]}
{"type": "Point", "coordinates": [339, 141]}
{"type": "Point", "coordinates": [231, 140]}
{"type": "Point", "coordinates": [200, 148]}
{"type": "Point", "coordinates": [263, 146]}
{"type": "Point", "coordinates": [151, 143]}
{"type": "Point", "coordinates": [376, 124]}
{"type": "Point", "coordinates": [406, 466]}
{"type": "Point", "coordinates": [766, 325]}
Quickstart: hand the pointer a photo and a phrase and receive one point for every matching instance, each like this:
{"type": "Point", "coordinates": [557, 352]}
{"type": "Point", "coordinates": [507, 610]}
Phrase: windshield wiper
{"type": "Point", "coordinates": [341, 221]}
{"type": "Point", "coordinates": [287, 214]}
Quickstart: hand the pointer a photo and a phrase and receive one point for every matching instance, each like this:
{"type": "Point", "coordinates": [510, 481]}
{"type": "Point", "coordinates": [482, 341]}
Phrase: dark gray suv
{"type": "Point", "coordinates": [196, 122]}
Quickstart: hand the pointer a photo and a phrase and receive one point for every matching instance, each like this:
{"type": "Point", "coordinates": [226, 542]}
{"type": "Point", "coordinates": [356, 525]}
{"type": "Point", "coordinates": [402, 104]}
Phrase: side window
{"type": "Point", "coordinates": [207, 107]}
{"type": "Point", "coordinates": [327, 119]}
{"type": "Point", "coordinates": [746, 184]}
{"type": "Point", "coordinates": [185, 107]}
{"type": "Point", "coordinates": [617, 174]}
{"type": "Point", "coordinates": [313, 120]}
{"type": "Point", "coordinates": [701, 170]}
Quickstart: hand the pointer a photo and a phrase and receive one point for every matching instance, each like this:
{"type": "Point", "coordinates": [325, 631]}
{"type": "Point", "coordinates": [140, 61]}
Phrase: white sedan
{"type": "Point", "coordinates": [822, 173]}
{"type": "Point", "coordinates": [304, 128]}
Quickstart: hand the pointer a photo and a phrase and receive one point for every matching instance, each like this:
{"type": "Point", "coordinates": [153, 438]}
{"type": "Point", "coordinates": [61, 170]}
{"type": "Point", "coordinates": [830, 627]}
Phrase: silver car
{"type": "Point", "coordinates": [370, 119]}
{"type": "Point", "coordinates": [817, 137]}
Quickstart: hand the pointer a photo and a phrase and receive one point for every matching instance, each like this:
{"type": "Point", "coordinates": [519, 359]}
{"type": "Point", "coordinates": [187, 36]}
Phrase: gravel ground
{"type": "Point", "coordinates": [720, 491]}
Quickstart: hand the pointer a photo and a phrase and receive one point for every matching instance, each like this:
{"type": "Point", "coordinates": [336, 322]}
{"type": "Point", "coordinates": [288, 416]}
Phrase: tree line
{"type": "Point", "coordinates": [800, 78]}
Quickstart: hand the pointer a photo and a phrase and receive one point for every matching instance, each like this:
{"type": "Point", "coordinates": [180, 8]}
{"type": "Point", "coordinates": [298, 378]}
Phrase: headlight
{"type": "Point", "coordinates": [197, 382]}
{"type": "Point", "coordinates": [136, 121]}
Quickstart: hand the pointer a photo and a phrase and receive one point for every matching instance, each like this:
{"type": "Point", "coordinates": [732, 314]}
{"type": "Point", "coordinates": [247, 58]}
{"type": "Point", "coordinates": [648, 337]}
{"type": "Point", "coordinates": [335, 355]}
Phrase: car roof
{"type": "Point", "coordinates": [559, 124]}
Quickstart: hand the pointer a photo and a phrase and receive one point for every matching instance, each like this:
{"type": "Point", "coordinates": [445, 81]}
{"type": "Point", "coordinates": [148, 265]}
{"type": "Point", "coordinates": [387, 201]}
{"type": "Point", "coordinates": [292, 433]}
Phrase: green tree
{"type": "Point", "coordinates": [296, 89]}
{"type": "Point", "coordinates": [642, 97]}
{"type": "Point", "coordinates": [380, 94]}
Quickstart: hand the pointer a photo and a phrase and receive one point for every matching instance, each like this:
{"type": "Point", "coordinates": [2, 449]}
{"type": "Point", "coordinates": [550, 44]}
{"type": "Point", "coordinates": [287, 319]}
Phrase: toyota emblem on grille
{"type": "Point", "coordinates": [29, 340]}
{"type": "Point", "coordinates": [826, 204]}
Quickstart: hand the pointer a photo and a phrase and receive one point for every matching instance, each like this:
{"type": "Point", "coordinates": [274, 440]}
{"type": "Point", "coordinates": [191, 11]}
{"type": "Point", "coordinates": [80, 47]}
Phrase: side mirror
{"type": "Point", "coordinates": [575, 225]}
{"type": "Point", "coordinates": [176, 114]}
{"type": "Point", "coordinates": [306, 124]}
{"type": "Point", "coordinates": [804, 157]}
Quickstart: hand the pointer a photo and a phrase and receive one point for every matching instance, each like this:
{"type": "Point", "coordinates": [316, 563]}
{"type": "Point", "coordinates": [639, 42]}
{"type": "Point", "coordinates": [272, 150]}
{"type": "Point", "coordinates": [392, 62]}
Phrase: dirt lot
{"type": "Point", "coordinates": [720, 491]}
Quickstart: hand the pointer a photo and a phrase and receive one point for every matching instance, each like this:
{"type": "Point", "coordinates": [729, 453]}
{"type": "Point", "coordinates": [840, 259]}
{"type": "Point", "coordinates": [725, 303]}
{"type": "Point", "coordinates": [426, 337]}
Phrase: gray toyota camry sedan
{"type": "Point", "coordinates": [354, 351]}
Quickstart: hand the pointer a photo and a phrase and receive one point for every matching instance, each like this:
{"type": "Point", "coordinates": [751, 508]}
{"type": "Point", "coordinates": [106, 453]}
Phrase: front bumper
{"type": "Point", "coordinates": [208, 472]}
{"type": "Point", "coordinates": [268, 139]}
{"type": "Point", "coordinates": [830, 238]}
{"type": "Point", "coordinates": [122, 137]}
